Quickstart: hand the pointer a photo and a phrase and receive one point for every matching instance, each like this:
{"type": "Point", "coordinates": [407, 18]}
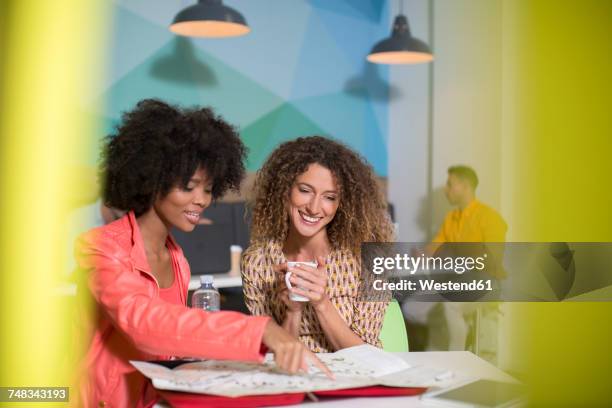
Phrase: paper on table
{"type": "Point", "coordinates": [235, 379]}
{"type": "Point", "coordinates": [392, 371]}
{"type": "Point", "coordinates": [378, 361]}
{"type": "Point", "coordinates": [359, 366]}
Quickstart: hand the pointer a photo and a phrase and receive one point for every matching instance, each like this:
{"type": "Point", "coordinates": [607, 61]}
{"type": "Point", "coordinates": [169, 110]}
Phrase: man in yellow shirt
{"type": "Point", "coordinates": [471, 221]}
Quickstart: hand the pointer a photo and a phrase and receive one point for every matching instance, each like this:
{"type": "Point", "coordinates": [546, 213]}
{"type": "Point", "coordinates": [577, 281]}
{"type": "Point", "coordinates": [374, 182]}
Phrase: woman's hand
{"type": "Point", "coordinates": [311, 282]}
{"type": "Point", "coordinates": [283, 291]}
{"type": "Point", "coordinates": [290, 354]}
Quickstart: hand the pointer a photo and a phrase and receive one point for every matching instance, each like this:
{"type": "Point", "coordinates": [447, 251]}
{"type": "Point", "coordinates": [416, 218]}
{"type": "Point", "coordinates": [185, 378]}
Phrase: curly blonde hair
{"type": "Point", "coordinates": [362, 211]}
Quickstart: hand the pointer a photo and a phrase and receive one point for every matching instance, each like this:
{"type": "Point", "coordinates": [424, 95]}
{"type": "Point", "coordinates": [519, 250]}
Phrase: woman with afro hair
{"type": "Point", "coordinates": [315, 200]}
{"type": "Point", "coordinates": [163, 166]}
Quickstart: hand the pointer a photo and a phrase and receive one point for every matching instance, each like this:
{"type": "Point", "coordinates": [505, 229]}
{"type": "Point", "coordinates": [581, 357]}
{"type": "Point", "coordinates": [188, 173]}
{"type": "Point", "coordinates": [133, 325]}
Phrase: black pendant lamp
{"type": "Point", "coordinates": [209, 18]}
{"type": "Point", "coordinates": [401, 47]}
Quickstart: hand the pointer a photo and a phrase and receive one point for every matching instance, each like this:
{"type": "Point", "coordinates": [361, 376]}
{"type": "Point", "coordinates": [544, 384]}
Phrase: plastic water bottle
{"type": "Point", "coordinates": [206, 297]}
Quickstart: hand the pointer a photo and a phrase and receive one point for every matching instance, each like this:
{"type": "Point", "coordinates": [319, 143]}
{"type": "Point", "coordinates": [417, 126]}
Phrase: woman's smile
{"type": "Point", "coordinates": [308, 220]}
{"type": "Point", "coordinates": [193, 216]}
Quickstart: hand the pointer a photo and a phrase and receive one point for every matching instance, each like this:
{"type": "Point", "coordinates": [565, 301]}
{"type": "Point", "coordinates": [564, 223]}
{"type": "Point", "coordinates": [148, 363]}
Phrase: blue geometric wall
{"type": "Point", "coordinates": [300, 71]}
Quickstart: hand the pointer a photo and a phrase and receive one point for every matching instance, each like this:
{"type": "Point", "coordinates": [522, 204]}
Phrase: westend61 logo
{"type": "Point", "coordinates": [404, 263]}
{"type": "Point", "coordinates": [428, 264]}
{"type": "Point", "coordinates": [458, 271]}
{"type": "Point", "coordinates": [486, 271]}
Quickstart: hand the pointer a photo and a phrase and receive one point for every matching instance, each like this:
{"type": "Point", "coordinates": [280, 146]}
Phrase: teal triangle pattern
{"type": "Point", "coordinates": [133, 40]}
{"type": "Point", "coordinates": [274, 87]}
{"type": "Point", "coordinates": [183, 74]}
{"type": "Point", "coordinates": [280, 125]}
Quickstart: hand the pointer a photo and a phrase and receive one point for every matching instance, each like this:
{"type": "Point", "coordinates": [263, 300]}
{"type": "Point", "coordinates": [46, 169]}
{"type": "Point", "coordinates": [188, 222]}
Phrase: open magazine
{"type": "Point", "coordinates": [359, 366]}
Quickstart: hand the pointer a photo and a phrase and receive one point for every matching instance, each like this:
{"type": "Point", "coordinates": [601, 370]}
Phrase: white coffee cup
{"type": "Point", "coordinates": [292, 296]}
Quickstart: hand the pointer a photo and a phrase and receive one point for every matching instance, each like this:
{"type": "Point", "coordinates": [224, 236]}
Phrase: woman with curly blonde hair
{"type": "Point", "coordinates": [315, 200]}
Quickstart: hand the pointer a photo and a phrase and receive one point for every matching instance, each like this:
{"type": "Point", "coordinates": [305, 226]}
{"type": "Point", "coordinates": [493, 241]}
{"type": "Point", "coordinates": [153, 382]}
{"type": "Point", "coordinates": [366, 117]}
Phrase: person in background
{"type": "Point", "coordinates": [470, 221]}
{"type": "Point", "coordinates": [98, 214]}
{"type": "Point", "coordinates": [315, 200]}
{"type": "Point", "coordinates": [89, 211]}
{"type": "Point", "coordinates": [163, 166]}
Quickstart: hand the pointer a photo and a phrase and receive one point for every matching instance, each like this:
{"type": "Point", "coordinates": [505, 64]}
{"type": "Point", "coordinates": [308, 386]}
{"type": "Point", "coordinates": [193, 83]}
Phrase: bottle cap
{"type": "Point", "coordinates": [207, 279]}
{"type": "Point", "coordinates": [235, 248]}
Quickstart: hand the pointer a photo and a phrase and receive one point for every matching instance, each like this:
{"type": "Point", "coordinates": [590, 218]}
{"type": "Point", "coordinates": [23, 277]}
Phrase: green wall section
{"type": "Point", "coordinates": [559, 64]}
{"type": "Point", "coordinates": [562, 137]}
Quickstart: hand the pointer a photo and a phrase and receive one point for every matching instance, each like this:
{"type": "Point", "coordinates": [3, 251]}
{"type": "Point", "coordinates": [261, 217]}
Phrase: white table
{"type": "Point", "coordinates": [462, 362]}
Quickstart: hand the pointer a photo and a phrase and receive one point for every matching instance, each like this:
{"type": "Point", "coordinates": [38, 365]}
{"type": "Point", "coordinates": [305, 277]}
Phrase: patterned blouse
{"type": "Point", "coordinates": [259, 283]}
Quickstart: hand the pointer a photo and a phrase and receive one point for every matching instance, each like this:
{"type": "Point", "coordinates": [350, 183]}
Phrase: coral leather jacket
{"type": "Point", "coordinates": [132, 323]}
